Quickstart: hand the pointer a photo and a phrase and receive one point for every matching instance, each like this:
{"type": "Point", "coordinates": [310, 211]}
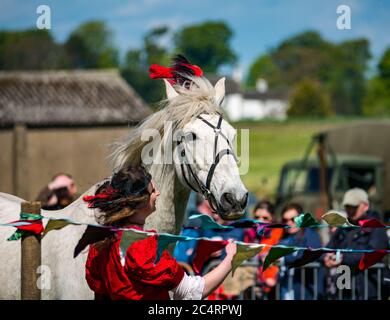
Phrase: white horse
{"type": "Point", "coordinates": [213, 171]}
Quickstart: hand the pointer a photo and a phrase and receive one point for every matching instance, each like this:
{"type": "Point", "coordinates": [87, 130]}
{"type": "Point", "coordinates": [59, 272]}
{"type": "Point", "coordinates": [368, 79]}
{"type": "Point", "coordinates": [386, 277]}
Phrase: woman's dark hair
{"type": "Point", "coordinates": [118, 198]}
{"type": "Point", "coordinates": [266, 205]}
{"type": "Point", "coordinates": [293, 205]}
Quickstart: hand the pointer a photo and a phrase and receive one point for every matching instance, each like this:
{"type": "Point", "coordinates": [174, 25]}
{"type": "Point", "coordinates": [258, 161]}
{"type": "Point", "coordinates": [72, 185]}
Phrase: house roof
{"type": "Point", "coordinates": [82, 97]}
{"type": "Point", "coordinates": [233, 87]}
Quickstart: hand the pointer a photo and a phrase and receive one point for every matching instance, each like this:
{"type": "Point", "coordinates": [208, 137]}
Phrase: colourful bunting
{"type": "Point", "coordinates": [307, 257]}
{"type": "Point", "coordinates": [275, 253]}
{"type": "Point", "coordinates": [163, 241]}
{"type": "Point", "coordinates": [205, 222]}
{"type": "Point", "coordinates": [305, 220]}
{"type": "Point", "coordinates": [244, 252]}
{"type": "Point", "coordinates": [369, 259]}
{"type": "Point", "coordinates": [130, 236]}
{"type": "Point", "coordinates": [33, 224]}
{"type": "Point", "coordinates": [91, 235]}
{"type": "Point", "coordinates": [57, 224]}
{"type": "Point", "coordinates": [244, 223]}
{"type": "Point", "coordinates": [203, 251]}
{"type": "Point", "coordinates": [371, 223]}
{"type": "Point", "coordinates": [336, 219]}
{"type": "Point", "coordinates": [94, 233]}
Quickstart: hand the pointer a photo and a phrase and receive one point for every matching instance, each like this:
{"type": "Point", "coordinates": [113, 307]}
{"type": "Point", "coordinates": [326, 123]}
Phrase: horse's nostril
{"type": "Point", "coordinates": [244, 201]}
{"type": "Point", "coordinates": [227, 201]}
{"type": "Point", "coordinates": [228, 197]}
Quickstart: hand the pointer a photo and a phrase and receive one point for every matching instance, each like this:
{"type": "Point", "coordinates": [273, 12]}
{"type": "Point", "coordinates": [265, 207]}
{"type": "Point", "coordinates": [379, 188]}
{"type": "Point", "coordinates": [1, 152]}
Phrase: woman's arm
{"type": "Point", "coordinates": [197, 287]}
{"type": "Point", "coordinates": [216, 276]}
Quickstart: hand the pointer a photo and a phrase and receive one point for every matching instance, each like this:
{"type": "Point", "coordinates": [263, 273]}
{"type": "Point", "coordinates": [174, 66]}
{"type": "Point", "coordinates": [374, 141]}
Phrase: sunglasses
{"type": "Point", "coordinates": [287, 220]}
{"type": "Point", "coordinates": [265, 218]}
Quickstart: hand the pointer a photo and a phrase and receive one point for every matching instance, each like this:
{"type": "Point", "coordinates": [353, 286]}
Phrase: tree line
{"type": "Point", "coordinates": [322, 78]}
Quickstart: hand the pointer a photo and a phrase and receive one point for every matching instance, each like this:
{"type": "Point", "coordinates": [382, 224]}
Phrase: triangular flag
{"type": "Point", "coordinates": [204, 222]}
{"type": "Point", "coordinates": [244, 252]}
{"type": "Point", "coordinates": [91, 235]}
{"type": "Point", "coordinates": [23, 226]}
{"type": "Point", "coordinates": [57, 224]}
{"type": "Point", "coordinates": [336, 219]}
{"type": "Point", "coordinates": [244, 223]}
{"type": "Point", "coordinates": [203, 251]}
{"type": "Point", "coordinates": [275, 253]}
{"type": "Point", "coordinates": [371, 223]}
{"type": "Point", "coordinates": [307, 257]}
{"type": "Point", "coordinates": [164, 240]}
{"type": "Point", "coordinates": [276, 225]}
{"type": "Point", "coordinates": [130, 236]}
{"type": "Point", "coordinates": [370, 258]}
{"type": "Point", "coordinates": [305, 220]}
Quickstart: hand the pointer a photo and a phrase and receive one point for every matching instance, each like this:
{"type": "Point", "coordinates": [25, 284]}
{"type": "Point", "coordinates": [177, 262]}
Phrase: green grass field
{"type": "Point", "coordinates": [271, 144]}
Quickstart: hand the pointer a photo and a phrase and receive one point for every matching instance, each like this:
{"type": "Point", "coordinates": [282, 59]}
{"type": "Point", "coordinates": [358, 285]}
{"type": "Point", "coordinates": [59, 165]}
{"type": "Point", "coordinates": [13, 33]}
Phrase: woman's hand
{"type": "Point", "coordinates": [231, 248]}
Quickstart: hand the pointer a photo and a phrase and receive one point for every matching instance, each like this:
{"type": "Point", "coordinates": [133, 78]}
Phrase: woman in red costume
{"type": "Point", "coordinates": [125, 202]}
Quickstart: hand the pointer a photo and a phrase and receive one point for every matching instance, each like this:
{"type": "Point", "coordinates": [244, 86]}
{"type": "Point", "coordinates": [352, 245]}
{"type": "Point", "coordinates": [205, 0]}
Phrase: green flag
{"type": "Point", "coordinates": [305, 220]}
{"type": "Point", "coordinates": [244, 252]}
{"type": "Point", "coordinates": [275, 253]}
{"type": "Point", "coordinates": [57, 224]}
{"type": "Point", "coordinates": [205, 222]}
{"type": "Point", "coordinates": [130, 236]}
{"type": "Point", "coordinates": [164, 240]}
{"type": "Point", "coordinates": [336, 219]}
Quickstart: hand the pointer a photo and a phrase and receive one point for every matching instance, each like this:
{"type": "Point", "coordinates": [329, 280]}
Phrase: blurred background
{"type": "Point", "coordinates": [310, 80]}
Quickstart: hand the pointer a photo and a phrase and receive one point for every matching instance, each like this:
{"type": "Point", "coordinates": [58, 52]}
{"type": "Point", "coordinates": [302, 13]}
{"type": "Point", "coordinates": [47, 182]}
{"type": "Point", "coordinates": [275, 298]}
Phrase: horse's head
{"type": "Point", "coordinates": [203, 155]}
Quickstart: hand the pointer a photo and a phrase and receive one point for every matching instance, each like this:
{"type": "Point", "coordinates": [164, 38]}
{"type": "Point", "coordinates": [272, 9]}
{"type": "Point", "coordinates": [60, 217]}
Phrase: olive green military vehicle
{"type": "Point", "coordinates": [356, 155]}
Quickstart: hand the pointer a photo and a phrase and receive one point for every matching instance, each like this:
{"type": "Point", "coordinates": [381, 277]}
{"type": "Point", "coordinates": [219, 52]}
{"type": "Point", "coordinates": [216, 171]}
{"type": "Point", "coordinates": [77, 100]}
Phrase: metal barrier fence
{"type": "Point", "coordinates": [251, 293]}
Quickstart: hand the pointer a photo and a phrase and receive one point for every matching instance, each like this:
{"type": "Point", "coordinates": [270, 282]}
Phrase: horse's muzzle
{"type": "Point", "coordinates": [232, 215]}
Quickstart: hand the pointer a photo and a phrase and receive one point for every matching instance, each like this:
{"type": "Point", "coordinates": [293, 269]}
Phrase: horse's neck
{"type": "Point", "coordinates": [172, 202]}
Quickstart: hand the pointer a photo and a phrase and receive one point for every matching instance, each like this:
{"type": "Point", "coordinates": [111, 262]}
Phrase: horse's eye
{"type": "Point", "coordinates": [192, 136]}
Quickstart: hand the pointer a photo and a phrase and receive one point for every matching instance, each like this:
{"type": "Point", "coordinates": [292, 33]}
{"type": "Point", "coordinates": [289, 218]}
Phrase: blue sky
{"type": "Point", "coordinates": [258, 25]}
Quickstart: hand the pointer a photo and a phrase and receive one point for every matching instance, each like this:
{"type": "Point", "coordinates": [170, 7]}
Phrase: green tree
{"type": "Point", "coordinates": [30, 50]}
{"type": "Point", "coordinates": [377, 100]}
{"type": "Point", "coordinates": [91, 46]}
{"type": "Point", "coordinates": [384, 67]}
{"type": "Point", "coordinates": [206, 44]}
{"type": "Point", "coordinates": [339, 68]}
{"type": "Point", "coordinates": [135, 69]}
{"type": "Point", "coordinates": [346, 82]}
{"type": "Point", "coordinates": [309, 99]}
{"type": "Point", "coordinates": [265, 68]}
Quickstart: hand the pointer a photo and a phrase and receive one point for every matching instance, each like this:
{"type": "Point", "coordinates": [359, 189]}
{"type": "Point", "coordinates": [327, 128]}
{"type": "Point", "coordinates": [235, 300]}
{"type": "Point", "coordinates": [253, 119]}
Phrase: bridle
{"type": "Point", "coordinates": [200, 187]}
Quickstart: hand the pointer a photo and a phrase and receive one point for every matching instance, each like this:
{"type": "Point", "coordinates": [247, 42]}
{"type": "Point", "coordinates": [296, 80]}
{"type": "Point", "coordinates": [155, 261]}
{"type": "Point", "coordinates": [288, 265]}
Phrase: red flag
{"type": "Point", "coordinates": [35, 226]}
{"type": "Point", "coordinates": [369, 259]}
{"type": "Point", "coordinates": [203, 251]}
{"type": "Point", "coordinates": [371, 223]}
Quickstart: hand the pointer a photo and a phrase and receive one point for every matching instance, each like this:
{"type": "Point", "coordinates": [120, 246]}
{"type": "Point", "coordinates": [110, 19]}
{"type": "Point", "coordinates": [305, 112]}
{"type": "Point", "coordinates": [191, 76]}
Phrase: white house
{"type": "Point", "coordinates": [260, 103]}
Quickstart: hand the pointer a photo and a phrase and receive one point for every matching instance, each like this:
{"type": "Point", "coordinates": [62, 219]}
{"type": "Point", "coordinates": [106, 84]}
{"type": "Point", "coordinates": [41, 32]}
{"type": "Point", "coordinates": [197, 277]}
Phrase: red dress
{"type": "Point", "coordinates": [139, 278]}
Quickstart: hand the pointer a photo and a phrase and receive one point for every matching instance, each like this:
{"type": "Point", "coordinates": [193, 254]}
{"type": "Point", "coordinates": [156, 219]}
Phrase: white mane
{"type": "Point", "coordinates": [180, 110]}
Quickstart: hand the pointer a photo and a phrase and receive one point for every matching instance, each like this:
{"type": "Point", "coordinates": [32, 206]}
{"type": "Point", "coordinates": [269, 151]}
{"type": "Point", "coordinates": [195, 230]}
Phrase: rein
{"type": "Point", "coordinates": [200, 187]}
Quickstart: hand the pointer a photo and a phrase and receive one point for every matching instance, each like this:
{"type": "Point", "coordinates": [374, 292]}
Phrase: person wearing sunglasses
{"type": "Point", "coordinates": [297, 237]}
{"type": "Point", "coordinates": [264, 212]}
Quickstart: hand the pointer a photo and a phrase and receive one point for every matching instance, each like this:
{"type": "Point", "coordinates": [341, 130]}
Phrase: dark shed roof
{"type": "Point", "coordinates": [82, 97]}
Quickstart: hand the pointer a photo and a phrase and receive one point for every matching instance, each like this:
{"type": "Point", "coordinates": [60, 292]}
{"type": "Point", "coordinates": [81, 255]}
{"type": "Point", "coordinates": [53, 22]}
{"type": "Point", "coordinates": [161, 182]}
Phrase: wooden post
{"type": "Point", "coordinates": [31, 257]}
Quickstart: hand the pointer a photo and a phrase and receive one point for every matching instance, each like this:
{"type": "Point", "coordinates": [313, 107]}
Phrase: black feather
{"type": "Point", "coordinates": [181, 71]}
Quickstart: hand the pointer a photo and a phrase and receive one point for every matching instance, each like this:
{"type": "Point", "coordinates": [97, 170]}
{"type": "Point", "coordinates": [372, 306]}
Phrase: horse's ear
{"type": "Point", "coordinates": [171, 92]}
{"type": "Point", "coordinates": [220, 90]}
